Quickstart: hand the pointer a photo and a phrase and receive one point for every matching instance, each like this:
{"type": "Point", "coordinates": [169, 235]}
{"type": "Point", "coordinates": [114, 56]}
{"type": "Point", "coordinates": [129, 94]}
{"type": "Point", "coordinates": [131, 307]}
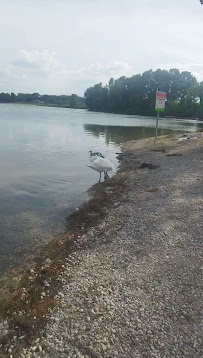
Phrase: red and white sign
{"type": "Point", "coordinates": [160, 101]}
{"type": "Point", "coordinates": [161, 95]}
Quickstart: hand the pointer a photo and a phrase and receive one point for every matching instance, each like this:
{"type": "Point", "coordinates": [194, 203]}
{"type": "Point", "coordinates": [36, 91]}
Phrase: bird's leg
{"type": "Point", "coordinates": [106, 175]}
{"type": "Point", "coordinates": [99, 176]}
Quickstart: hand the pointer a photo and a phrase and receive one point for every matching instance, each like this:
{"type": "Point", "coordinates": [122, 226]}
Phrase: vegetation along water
{"type": "Point", "coordinates": [136, 94]}
{"type": "Point", "coordinates": [130, 95]}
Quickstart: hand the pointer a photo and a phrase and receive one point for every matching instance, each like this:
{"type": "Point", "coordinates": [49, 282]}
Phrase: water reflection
{"type": "Point", "coordinates": [119, 134]}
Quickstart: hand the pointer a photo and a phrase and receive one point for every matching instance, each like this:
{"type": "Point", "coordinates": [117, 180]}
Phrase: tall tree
{"type": "Point", "coordinates": [136, 95]}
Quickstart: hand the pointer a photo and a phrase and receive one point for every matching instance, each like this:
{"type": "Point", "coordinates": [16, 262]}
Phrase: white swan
{"type": "Point", "coordinates": [102, 165]}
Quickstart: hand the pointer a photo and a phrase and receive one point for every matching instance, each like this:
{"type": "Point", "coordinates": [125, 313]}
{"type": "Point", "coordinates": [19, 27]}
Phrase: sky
{"type": "Point", "coordinates": [66, 46]}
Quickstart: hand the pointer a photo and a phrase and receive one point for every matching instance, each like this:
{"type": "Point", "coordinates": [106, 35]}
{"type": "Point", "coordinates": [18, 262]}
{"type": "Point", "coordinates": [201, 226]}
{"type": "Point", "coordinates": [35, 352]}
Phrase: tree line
{"type": "Point", "coordinates": [72, 101]}
{"type": "Point", "coordinates": [136, 94]}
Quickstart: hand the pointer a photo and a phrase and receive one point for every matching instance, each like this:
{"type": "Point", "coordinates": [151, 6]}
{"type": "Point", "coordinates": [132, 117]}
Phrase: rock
{"type": "Point", "coordinates": [22, 337]}
{"type": "Point", "coordinates": [103, 347]}
{"type": "Point", "coordinates": [148, 166]}
{"type": "Point", "coordinates": [60, 294]}
{"type": "Point", "coordinates": [46, 283]}
{"type": "Point", "coordinates": [47, 262]}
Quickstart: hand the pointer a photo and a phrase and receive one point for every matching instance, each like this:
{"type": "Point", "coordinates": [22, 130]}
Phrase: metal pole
{"type": "Point", "coordinates": [157, 122]}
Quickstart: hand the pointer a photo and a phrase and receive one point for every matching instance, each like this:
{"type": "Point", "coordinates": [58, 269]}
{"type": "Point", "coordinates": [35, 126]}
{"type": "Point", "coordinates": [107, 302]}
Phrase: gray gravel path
{"type": "Point", "coordinates": [134, 286]}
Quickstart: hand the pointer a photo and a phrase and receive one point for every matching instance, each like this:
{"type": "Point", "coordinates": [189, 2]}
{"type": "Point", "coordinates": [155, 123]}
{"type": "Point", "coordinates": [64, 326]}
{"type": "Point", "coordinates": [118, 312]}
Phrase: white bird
{"type": "Point", "coordinates": [102, 165]}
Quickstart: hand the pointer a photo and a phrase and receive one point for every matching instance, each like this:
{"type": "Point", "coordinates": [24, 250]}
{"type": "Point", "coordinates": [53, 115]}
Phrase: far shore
{"type": "Point", "coordinates": [125, 114]}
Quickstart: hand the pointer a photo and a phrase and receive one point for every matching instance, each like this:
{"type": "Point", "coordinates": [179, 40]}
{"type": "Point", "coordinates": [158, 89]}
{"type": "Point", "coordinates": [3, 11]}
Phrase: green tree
{"type": "Point", "coordinates": [97, 97]}
{"type": "Point", "coordinates": [136, 95]}
{"type": "Point", "coordinates": [5, 97]}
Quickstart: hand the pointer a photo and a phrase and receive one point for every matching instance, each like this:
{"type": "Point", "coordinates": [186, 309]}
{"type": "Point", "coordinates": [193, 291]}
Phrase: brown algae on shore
{"type": "Point", "coordinates": [35, 294]}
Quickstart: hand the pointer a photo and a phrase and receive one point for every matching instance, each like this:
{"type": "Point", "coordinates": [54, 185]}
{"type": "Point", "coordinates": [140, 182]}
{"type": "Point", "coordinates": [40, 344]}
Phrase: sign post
{"type": "Point", "coordinates": [159, 107]}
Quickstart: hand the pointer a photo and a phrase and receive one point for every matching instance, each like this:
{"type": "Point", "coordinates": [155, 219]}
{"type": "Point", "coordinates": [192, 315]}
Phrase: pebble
{"type": "Point", "coordinates": [60, 294]}
{"type": "Point", "coordinates": [47, 262]}
{"type": "Point", "coordinates": [21, 337]}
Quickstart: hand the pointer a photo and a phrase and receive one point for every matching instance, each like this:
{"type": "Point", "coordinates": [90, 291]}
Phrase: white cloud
{"type": "Point", "coordinates": [29, 64]}
{"type": "Point", "coordinates": [44, 66]}
{"type": "Point", "coordinates": [44, 60]}
{"type": "Point", "coordinates": [115, 68]}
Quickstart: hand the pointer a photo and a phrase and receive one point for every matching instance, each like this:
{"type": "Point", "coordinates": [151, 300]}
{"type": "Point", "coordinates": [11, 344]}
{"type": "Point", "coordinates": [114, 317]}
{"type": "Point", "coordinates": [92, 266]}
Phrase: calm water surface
{"type": "Point", "coordinates": [43, 166]}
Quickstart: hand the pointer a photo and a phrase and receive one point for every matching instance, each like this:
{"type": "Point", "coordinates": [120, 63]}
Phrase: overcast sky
{"type": "Point", "coordinates": [65, 46]}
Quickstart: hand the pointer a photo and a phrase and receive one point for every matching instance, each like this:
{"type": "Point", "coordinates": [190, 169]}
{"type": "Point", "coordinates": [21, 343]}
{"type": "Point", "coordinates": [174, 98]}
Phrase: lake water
{"type": "Point", "coordinates": [43, 167]}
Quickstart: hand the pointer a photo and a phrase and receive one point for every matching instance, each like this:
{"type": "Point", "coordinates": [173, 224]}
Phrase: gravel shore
{"type": "Point", "coordinates": [132, 287]}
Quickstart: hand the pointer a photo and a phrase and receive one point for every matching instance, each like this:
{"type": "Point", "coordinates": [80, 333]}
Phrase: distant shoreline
{"type": "Point", "coordinates": [125, 114]}
{"type": "Point", "coordinates": [43, 105]}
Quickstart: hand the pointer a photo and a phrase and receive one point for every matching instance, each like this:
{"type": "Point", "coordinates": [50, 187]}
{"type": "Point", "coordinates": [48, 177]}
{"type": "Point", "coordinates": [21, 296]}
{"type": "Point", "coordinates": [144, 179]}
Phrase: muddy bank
{"type": "Point", "coordinates": [24, 309]}
{"type": "Point", "coordinates": [137, 245]}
